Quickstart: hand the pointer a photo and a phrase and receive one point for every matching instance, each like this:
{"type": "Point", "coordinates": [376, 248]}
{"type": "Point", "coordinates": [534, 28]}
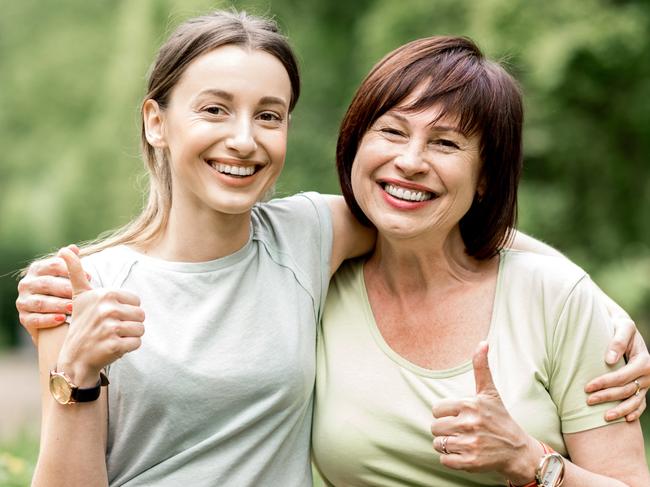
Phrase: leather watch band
{"type": "Point", "coordinates": [90, 394]}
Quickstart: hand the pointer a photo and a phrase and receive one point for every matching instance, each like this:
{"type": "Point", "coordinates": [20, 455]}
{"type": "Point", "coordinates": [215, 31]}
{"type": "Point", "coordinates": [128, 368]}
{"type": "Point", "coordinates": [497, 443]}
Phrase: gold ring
{"type": "Point", "coordinates": [444, 445]}
{"type": "Point", "coordinates": [638, 387]}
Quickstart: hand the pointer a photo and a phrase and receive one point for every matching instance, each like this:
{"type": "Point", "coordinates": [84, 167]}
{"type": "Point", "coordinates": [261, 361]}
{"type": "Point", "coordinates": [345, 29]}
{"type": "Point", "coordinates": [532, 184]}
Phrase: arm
{"type": "Point", "coordinates": [351, 238]}
{"type": "Point", "coordinates": [627, 342]}
{"type": "Point", "coordinates": [73, 437]}
{"type": "Point", "coordinates": [105, 324]}
{"type": "Point", "coordinates": [482, 436]}
{"type": "Point", "coordinates": [601, 450]}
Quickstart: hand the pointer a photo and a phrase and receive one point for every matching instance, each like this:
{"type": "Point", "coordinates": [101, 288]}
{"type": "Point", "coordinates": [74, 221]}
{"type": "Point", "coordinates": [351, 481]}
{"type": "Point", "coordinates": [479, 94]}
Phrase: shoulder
{"type": "Point", "coordinates": [107, 265]}
{"type": "Point", "coordinates": [293, 210]}
{"type": "Point", "coordinates": [294, 222]}
{"type": "Point", "coordinates": [550, 272]}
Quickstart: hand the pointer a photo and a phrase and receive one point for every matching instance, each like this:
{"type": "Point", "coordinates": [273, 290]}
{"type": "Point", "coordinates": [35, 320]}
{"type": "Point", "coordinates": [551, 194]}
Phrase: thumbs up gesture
{"type": "Point", "coordinates": [105, 324]}
{"type": "Point", "coordinates": [477, 434]}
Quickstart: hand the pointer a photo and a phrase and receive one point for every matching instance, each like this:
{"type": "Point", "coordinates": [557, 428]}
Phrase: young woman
{"type": "Point", "coordinates": [219, 391]}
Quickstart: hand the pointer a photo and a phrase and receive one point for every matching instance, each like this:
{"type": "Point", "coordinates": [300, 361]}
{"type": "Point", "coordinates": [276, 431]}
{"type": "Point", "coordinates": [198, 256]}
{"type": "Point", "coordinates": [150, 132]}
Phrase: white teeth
{"type": "Point", "coordinates": [234, 170]}
{"type": "Point", "coordinates": [407, 194]}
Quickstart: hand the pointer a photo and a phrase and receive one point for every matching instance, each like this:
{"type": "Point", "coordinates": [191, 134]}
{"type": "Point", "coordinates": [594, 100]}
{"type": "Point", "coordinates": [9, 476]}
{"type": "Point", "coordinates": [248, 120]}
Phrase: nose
{"type": "Point", "coordinates": [241, 139]}
{"type": "Point", "coordinates": [411, 160]}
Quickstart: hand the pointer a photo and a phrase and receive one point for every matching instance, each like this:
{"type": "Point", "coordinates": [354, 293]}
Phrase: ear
{"type": "Point", "coordinates": [154, 127]}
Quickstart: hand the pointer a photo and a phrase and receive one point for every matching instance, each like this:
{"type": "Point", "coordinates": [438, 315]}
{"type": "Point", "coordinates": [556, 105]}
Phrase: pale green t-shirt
{"type": "Point", "coordinates": [220, 393]}
{"type": "Point", "coordinates": [548, 336]}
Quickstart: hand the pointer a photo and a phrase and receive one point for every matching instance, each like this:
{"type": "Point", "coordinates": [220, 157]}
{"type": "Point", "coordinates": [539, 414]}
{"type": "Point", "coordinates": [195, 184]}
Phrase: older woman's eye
{"type": "Point", "coordinates": [391, 131]}
{"type": "Point", "coordinates": [446, 143]}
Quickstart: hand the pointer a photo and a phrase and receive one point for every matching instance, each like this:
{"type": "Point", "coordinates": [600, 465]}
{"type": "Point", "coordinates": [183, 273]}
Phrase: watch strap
{"type": "Point", "coordinates": [89, 394]}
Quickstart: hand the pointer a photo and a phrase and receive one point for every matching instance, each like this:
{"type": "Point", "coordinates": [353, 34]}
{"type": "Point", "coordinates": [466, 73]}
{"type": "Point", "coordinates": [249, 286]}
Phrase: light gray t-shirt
{"type": "Point", "coordinates": [220, 392]}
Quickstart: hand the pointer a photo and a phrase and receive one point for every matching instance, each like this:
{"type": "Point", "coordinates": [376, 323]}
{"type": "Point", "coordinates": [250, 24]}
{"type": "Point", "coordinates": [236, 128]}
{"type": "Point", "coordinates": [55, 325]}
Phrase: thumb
{"type": "Point", "coordinates": [78, 277]}
{"type": "Point", "coordinates": [482, 373]}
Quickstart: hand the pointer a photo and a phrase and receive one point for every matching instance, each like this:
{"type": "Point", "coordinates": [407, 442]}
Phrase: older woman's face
{"type": "Point", "coordinates": [412, 177]}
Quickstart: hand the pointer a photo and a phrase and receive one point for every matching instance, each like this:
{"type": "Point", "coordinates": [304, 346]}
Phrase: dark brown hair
{"type": "Point", "coordinates": [487, 102]}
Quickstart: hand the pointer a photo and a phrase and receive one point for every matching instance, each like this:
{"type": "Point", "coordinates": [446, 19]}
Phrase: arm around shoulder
{"type": "Point", "coordinates": [351, 238]}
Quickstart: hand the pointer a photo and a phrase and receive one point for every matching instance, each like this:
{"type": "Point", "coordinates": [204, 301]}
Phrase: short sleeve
{"type": "Point", "coordinates": [297, 232]}
{"type": "Point", "coordinates": [580, 341]}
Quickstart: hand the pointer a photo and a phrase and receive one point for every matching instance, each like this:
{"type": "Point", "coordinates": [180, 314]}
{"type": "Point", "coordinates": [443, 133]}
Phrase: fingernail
{"type": "Point", "coordinates": [590, 388]}
{"type": "Point", "coordinates": [610, 416]}
{"type": "Point", "coordinates": [59, 318]}
{"type": "Point", "coordinates": [68, 307]}
{"type": "Point", "coordinates": [612, 357]}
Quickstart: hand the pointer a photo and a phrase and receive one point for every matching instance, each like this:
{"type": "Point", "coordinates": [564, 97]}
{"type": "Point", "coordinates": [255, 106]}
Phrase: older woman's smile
{"type": "Point", "coordinates": [407, 192]}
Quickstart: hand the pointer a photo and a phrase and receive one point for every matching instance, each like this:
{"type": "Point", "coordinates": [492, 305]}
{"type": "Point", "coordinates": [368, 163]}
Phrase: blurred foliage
{"type": "Point", "coordinates": [18, 459]}
{"type": "Point", "coordinates": [71, 76]}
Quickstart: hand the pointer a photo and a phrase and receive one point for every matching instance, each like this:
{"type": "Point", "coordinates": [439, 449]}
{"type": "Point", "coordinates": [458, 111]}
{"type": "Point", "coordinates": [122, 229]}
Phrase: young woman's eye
{"type": "Point", "coordinates": [270, 117]}
{"type": "Point", "coordinates": [214, 110]}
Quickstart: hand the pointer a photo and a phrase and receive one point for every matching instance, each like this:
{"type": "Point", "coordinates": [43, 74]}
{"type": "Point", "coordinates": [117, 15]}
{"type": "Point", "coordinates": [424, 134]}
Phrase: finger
{"type": "Point", "coordinates": [129, 344]}
{"type": "Point", "coordinates": [49, 285]}
{"type": "Point", "coordinates": [446, 426]}
{"type": "Point", "coordinates": [51, 266]}
{"type": "Point", "coordinates": [38, 303]}
{"type": "Point", "coordinates": [626, 407]}
{"type": "Point", "coordinates": [636, 368]}
{"type": "Point", "coordinates": [624, 331]}
{"type": "Point", "coordinates": [448, 442]}
{"type": "Point", "coordinates": [482, 373]}
{"type": "Point", "coordinates": [126, 297]}
{"type": "Point", "coordinates": [618, 393]}
{"type": "Point", "coordinates": [78, 277]}
{"type": "Point", "coordinates": [130, 329]}
{"type": "Point", "coordinates": [36, 321]}
{"type": "Point", "coordinates": [446, 407]}
{"type": "Point", "coordinates": [636, 414]}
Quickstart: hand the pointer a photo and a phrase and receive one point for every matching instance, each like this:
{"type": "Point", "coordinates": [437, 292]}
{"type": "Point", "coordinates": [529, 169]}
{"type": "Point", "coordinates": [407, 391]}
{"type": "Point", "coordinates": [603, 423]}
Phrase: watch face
{"type": "Point", "coordinates": [552, 471]}
{"type": "Point", "coordinates": [60, 389]}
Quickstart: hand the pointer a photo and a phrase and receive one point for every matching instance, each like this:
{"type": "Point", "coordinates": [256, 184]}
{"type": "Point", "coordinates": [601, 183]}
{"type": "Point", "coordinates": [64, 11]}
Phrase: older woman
{"type": "Point", "coordinates": [430, 154]}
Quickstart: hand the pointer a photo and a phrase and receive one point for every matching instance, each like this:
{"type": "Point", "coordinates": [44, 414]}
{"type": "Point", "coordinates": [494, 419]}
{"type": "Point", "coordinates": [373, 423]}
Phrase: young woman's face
{"type": "Point", "coordinates": [412, 177]}
{"type": "Point", "coordinates": [225, 129]}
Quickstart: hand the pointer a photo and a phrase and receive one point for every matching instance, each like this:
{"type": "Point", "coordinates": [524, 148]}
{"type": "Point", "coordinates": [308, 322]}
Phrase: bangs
{"type": "Point", "coordinates": [462, 89]}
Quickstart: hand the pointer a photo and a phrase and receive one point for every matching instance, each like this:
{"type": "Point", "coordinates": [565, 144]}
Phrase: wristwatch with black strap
{"type": "Point", "coordinates": [65, 391]}
{"type": "Point", "coordinates": [549, 472]}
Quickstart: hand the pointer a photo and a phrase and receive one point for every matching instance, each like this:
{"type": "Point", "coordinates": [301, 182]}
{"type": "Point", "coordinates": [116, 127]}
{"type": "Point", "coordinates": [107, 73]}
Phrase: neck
{"type": "Point", "coordinates": [199, 236]}
{"type": "Point", "coordinates": [423, 264]}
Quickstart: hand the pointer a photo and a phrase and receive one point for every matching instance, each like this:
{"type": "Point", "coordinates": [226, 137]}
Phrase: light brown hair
{"type": "Point", "coordinates": [190, 40]}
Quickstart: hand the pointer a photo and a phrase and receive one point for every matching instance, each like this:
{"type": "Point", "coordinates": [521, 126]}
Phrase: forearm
{"type": "Point", "coordinates": [73, 436]}
{"type": "Point", "coordinates": [73, 447]}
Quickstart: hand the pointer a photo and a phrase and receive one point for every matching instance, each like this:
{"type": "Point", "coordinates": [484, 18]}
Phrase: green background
{"type": "Point", "coordinates": [72, 74]}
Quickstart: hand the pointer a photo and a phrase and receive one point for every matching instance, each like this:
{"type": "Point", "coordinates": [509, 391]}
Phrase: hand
{"type": "Point", "coordinates": [105, 325]}
{"type": "Point", "coordinates": [44, 295]}
{"type": "Point", "coordinates": [480, 434]}
{"type": "Point", "coordinates": [620, 385]}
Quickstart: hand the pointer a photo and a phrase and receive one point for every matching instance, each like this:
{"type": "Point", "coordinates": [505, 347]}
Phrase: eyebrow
{"type": "Point", "coordinates": [442, 128]}
{"type": "Point", "coordinates": [265, 100]}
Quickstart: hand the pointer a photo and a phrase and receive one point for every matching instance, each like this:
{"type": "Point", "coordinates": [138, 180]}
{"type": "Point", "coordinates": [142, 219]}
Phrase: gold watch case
{"type": "Point", "coordinates": [550, 472]}
{"type": "Point", "coordinates": [61, 387]}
